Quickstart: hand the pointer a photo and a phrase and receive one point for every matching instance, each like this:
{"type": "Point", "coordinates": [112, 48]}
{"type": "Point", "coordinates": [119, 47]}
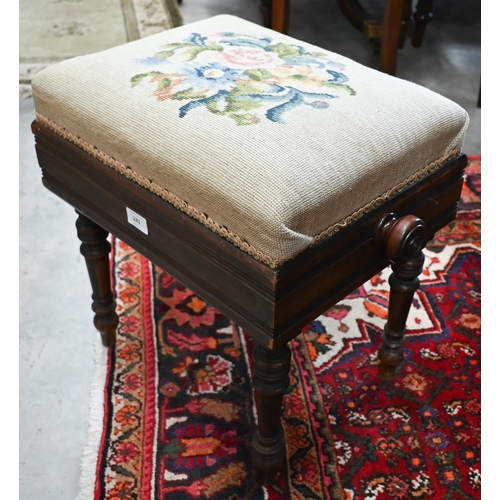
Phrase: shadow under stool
{"type": "Point", "coordinates": [270, 176]}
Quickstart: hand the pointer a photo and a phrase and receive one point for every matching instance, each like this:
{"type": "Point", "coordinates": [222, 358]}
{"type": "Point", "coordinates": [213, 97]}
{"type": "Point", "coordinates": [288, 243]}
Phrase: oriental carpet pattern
{"type": "Point", "coordinates": [179, 410]}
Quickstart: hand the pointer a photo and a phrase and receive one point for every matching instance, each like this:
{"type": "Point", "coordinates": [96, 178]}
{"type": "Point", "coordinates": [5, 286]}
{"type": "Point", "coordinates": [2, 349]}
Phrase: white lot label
{"type": "Point", "coordinates": [137, 220]}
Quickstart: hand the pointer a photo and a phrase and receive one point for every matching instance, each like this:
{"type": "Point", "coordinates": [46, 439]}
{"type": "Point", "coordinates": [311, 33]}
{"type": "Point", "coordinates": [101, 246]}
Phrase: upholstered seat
{"type": "Point", "coordinates": [268, 141]}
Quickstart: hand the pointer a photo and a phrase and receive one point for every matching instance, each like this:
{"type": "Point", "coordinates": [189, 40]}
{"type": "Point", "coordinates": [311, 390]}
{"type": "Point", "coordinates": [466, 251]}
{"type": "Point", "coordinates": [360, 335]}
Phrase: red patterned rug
{"type": "Point", "coordinates": [176, 415]}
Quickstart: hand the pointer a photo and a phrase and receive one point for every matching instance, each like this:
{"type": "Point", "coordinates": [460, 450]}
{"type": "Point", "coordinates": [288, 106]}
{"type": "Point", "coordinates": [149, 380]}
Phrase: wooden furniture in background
{"type": "Point", "coordinates": [276, 14]}
{"type": "Point", "coordinates": [392, 30]}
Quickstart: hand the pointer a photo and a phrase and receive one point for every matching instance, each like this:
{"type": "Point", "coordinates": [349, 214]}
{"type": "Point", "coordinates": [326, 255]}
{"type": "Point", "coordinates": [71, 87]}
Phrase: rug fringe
{"type": "Point", "coordinates": [25, 91]}
{"type": "Point", "coordinates": [88, 463]}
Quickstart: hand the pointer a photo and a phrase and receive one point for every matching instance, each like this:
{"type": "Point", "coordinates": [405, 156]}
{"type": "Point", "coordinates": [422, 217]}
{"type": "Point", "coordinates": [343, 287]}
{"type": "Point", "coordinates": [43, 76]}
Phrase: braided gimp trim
{"type": "Point", "coordinates": [398, 188]}
{"type": "Point", "coordinates": [218, 228]}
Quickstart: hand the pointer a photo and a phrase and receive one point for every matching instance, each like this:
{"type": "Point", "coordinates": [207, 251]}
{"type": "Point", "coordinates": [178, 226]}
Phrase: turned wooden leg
{"type": "Point", "coordinates": [402, 239]}
{"type": "Point", "coordinates": [275, 14]}
{"type": "Point", "coordinates": [265, 8]}
{"type": "Point", "coordinates": [422, 17]}
{"type": "Point", "coordinates": [280, 16]}
{"type": "Point", "coordinates": [391, 30]}
{"type": "Point", "coordinates": [95, 248]}
{"type": "Point", "coordinates": [406, 22]}
{"type": "Point", "coordinates": [271, 369]}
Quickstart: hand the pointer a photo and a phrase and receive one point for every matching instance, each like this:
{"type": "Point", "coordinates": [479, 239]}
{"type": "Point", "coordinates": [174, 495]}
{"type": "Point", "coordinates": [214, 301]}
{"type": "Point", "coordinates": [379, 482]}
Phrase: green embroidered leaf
{"type": "Point", "coordinates": [300, 77]}
{"type": "Point", "coordinates": [164, 83]}
{"type": "Point", "coordinates": [193, 52]}
{"type": "Point", "coordinates": [235, 105]}
{"type": "Point", "coordinates": [138, 78]}
{"type": "Point", "coordinates": [212, 107]}
{"type": "Point", "coordinates": [165, 54]}
{"type": "Point", "coordinates": [258, 74]}
{"type": "Point", "coordinates": [245, 88]}
{"type": "Point", "coordinates": [284, 50]}
{"type": "Point", "coordinates": [186, 94]}
{"type": "Point", "coordinates": [214, 46]}
{"type": "Point", "coordinates": [340, 86]}
{"type": "Point", "coordinates": [177, 45]}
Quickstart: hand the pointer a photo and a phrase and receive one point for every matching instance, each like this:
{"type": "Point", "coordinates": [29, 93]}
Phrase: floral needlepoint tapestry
{"type": "Point", "coordinates": [243, 77]}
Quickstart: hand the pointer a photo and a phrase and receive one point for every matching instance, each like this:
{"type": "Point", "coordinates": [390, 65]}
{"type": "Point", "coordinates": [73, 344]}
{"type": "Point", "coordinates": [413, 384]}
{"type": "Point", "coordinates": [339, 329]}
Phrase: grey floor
{"type": "Point", "coordinates": [56, 332]}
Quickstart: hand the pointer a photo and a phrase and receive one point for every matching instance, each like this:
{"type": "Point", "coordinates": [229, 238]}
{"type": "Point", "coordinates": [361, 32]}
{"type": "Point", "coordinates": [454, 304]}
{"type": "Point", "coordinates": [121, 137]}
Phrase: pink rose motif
{"type": "Point", "coordinates": [250, 58]}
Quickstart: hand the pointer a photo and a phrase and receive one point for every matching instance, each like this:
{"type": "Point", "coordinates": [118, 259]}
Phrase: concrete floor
{"type": "Point", "coordinates": [56, 332]}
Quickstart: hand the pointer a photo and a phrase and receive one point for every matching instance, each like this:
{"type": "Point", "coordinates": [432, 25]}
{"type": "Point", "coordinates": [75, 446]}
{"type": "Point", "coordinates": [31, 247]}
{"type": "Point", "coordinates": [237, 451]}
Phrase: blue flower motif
{"type": "Point", "coordinates": [197, 39]}
{"type": "Point", "coordinates": [212, 76]}
{"type": "Point", "coordinates": [245, 41]}
{"type": "Point", "coordinates": [294, 99]}
{"type": "Point", "coordinates": [337, 77]}
{"type": "Point", "coordinates": [154, 61]}
{"type": "Point", "coordinates": [311, 62]}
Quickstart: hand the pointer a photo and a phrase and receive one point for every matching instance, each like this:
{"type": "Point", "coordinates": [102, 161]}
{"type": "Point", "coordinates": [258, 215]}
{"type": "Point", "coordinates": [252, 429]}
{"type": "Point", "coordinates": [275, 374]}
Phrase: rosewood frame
{"type": "Point", "coordinates": [271, 305]}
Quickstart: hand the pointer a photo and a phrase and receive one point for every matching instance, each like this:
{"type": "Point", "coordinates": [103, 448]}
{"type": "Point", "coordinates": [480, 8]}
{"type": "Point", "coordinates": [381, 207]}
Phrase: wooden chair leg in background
{"type": "Point", "coordinates": [95, 248]}
{"type": "Point", "coordinates": [266, 8]}
{"type": "Point", "coordinates": [422, 17]}
{"type": "Point", "coordinates": [270, 381]}
{"type": "Point", "coordinates": [392, 32]}
{"type": "Point", "coordinates": [391, 35]}
{"type": "Point", "coordinates": [280, 15]}
{"type": "Point", "coordinates": [406, 22]}
{"type": "Point", "coordinates": [360, 18]}
{"type": "Point", "coordinates": [275, 14]}
{"type": "Point", "coordinates": [402, 240]}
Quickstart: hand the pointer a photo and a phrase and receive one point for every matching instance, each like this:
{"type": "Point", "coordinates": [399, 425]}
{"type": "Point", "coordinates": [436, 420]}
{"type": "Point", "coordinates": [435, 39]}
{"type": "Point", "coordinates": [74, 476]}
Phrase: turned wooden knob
{"type": "Point", "coordinates": [402, 238]}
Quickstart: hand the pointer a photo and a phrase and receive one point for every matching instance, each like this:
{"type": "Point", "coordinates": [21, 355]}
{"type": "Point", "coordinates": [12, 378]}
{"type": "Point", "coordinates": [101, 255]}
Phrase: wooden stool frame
{"type": "Point", "coordinates": [271, 305]}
